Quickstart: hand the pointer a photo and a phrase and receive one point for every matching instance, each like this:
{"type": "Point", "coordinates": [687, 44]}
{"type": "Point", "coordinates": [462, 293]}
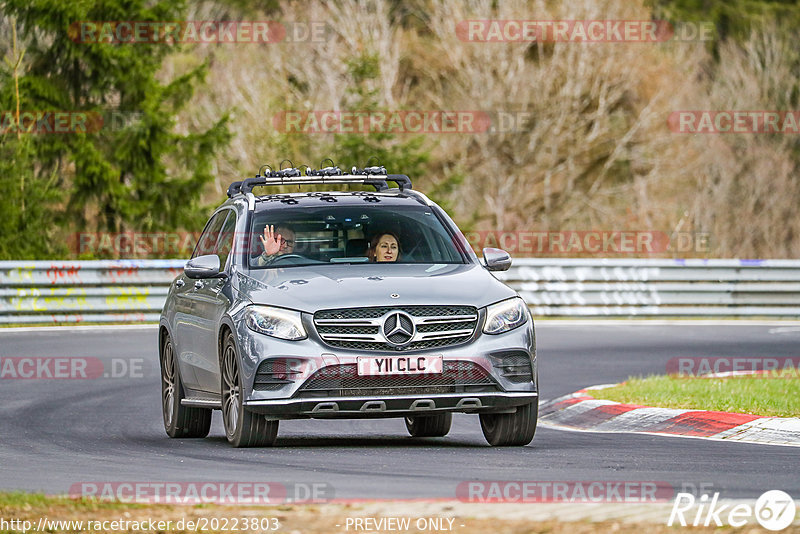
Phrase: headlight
{"type": "Point", "coordinates": [275, 322]}
{"type": "Point", "coordinates": [505, 316]}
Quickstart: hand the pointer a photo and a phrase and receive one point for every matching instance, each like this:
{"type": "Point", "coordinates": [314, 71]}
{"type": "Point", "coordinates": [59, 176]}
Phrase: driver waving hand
{"type": "Point", "coordinates": [277, 241]}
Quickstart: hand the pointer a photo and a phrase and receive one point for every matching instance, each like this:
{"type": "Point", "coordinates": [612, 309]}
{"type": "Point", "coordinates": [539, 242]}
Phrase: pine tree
{"type": "Point", "coordinates": [130, 170]}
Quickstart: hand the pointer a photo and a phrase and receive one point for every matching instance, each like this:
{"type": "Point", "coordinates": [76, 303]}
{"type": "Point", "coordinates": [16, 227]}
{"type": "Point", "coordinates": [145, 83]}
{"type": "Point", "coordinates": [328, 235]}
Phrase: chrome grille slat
{"type": "Point", "coordinates": [354, 337]}
{"type": "Point", "coordinates": [442, 335]}
{"type": "Point", "coordinates": [347, 322]}
{"type": "Point", "coordinates": [447, 319]}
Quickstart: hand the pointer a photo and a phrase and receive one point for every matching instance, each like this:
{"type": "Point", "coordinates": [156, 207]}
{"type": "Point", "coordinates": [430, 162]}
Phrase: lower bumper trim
{"type": "Point", "coordinates": [360, 407]}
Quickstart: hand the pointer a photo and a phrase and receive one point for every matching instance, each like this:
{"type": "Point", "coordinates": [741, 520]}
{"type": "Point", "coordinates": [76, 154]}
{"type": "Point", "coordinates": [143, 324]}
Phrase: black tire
{"type": "Point", "coordinates": [243, 428]}
{"type": "Point", "coordinates": [179, 421]}
{"type": "Point", "coordinates": [511, 429]}
{"type": "Point", "coordinates": [429, 426]}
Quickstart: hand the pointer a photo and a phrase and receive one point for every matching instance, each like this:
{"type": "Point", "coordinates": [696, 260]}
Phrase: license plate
{"type": "Point", "coordinates": [400, 365]}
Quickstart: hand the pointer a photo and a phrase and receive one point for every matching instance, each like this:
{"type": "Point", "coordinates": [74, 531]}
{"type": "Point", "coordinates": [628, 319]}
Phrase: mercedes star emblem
{"type": "Point", "coordinates": [398, 328]}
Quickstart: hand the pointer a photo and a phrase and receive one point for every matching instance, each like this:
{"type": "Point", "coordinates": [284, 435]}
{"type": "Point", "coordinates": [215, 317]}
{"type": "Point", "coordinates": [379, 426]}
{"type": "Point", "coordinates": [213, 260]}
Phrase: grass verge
{"type": "Point", "coordinates": [776, 394]}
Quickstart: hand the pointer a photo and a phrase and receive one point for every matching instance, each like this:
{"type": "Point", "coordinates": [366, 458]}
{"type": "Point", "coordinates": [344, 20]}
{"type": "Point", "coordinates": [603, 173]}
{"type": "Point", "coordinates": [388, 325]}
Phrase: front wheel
{"type": "Point", "coordinates": [511, 429]}
{"type": "Point", "coordinates": [179, 421]}
{"type": "Point", "coordinates": [243, 428]}
{"type": "Point", "coordinates": [429, 426]}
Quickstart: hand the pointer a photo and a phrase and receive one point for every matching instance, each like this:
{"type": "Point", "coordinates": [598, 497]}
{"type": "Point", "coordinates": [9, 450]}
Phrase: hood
{"type": "Point", "coordinates": [318, 287]}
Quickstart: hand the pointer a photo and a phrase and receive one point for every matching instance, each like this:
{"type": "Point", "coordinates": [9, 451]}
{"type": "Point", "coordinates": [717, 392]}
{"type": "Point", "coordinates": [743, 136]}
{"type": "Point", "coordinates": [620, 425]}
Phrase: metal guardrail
{"type": "Point", "coordinates": [657, 287]}
{"type": "Point", "coordinates": [135, 290]}
{"type": "Point", "coordinates": [84, 291]}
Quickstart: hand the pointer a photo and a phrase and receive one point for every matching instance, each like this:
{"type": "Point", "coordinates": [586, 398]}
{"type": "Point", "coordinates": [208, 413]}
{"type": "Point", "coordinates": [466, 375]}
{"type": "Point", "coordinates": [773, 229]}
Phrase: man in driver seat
{"type": "Point", "coordinates": [277, 241]}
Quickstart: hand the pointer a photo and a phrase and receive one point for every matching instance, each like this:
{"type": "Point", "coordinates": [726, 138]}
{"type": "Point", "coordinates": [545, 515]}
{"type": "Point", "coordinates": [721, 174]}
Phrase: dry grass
{"type": "Point", "coordinates": [748, 188]}
{"type": "Point", "coordinates": [596, 152]}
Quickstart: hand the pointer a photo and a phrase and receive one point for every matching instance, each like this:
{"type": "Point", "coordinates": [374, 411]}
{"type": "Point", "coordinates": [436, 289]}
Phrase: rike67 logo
{"type": "Point", "coordinates": [774, 510]}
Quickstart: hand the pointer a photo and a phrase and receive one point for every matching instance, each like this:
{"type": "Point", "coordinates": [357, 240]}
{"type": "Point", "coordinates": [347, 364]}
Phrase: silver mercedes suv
{"type": "Point", "coordinates": [322, 328]}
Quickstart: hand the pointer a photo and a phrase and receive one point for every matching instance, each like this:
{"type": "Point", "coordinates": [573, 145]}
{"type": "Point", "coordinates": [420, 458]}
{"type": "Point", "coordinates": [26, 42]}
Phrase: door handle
{"type": "Point", "coordinates": [179, 283]}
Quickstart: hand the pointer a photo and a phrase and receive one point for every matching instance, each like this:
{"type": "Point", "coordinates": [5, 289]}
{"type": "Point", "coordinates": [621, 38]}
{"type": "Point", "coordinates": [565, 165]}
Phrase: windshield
{"type": "Point", "coordinates": [350, 234]}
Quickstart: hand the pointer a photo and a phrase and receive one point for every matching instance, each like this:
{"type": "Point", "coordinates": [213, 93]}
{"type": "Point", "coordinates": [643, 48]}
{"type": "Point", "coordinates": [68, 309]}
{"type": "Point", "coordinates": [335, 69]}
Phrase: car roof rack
{"type": "Point", "coordinates": [375, 176]}
{"type": "Point", "coordinates": [234, 189]}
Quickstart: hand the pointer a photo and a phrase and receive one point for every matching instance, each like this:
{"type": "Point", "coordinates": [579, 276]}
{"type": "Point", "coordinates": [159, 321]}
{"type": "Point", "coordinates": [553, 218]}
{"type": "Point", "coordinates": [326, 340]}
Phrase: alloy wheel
{"type": "Point", "coordinates": [232, 391]}
{"type": "Point", "coordinates": [168, 384]}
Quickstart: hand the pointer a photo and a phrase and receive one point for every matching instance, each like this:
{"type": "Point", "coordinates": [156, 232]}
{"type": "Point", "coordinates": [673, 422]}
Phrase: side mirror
{"type": "Point", "coordinates": [496, 259]}
{"type": "Point", "coordinates": [203, 267]}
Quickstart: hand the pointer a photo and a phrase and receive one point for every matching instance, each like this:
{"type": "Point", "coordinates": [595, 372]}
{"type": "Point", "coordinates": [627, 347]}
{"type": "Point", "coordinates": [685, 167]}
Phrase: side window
{"type": "Point", "coordinates": [208, 239]}
{"type": "Point", "coordinates": [225, 243]}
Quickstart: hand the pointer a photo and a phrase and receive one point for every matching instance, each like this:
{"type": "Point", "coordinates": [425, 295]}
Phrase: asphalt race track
{"type": "Point", "coordinates": [56, 433]}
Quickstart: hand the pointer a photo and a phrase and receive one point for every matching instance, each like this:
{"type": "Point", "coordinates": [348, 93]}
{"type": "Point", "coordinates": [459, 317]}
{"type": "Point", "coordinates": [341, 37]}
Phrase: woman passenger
{"type": "Point", "coordinates": [384, 247]}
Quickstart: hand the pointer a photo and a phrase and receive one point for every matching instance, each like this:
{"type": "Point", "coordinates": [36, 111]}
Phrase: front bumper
{"type": "Point", "coordinates": [504, 393]}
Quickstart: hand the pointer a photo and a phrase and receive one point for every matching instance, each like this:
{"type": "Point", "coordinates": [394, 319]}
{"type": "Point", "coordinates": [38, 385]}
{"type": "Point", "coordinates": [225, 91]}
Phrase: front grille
{"type": "Point", "coordinates": [362, 328]}
{"type": "Point", "coordinates": [344, 380]}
